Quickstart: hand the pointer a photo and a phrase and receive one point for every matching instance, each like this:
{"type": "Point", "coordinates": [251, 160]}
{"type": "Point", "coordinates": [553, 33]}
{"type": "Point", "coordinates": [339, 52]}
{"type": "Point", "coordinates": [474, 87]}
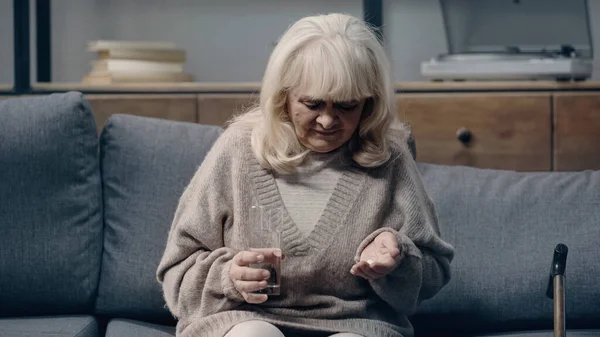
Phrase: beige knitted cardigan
{"type": "Point", "coordinates": [318, 292]}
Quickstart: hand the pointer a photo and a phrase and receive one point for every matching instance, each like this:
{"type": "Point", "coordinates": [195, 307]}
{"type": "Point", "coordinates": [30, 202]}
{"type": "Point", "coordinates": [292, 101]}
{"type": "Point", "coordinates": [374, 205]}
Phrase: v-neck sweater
{"type": "Point", "coordinates": [318, 292]}
{"type": "Point", "coordinates": [306, 191]}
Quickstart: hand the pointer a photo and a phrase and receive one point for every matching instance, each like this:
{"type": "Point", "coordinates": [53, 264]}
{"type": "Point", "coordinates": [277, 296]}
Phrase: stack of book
{"type": "Point", "coordinates": [136, 62]}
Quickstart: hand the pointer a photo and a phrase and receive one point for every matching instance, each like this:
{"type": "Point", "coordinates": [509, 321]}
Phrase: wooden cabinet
{"type": "Point", "coordinates": [211, 109]}
{"type": "Point", "coordinates": [522, 126]}
{"type": "Point", "coordinates": [498, 131]}
{"type": "Point", "coordinates": [576, 131]}
{"type": "Point", "coordinates": [174, 107]}
{"type": "Point", "coordinates": [216, 109]}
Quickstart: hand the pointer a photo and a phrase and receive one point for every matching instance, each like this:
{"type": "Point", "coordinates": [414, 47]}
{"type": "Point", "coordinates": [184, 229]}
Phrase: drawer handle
{"type": "Point", "coordinates": [464, 135]}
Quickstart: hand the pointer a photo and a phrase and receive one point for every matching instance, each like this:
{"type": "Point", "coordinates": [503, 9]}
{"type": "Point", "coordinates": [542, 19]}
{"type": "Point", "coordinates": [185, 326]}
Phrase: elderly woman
{"type": "Point", "coordinates": [359, 234]}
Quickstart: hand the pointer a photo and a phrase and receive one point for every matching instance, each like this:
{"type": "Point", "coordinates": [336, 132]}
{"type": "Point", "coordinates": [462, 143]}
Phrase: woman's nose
{"type": "Point", "coordinates": [327, 117]}
{"type": "Point", "coordinates": [326, 120]}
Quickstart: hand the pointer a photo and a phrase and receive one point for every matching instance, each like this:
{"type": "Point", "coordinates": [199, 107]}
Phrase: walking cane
{"type": "Point", "coordinates": [556, 288]}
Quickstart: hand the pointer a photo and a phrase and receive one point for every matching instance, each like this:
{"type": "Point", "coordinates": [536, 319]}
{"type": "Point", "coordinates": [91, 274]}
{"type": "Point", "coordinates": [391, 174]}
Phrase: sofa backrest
{"type": "Point", "coordinates": [146, 164]}
{"type": "Point", "coordinates": [50, 206]}
{"type": "Point", "coordinates": [504, 226]}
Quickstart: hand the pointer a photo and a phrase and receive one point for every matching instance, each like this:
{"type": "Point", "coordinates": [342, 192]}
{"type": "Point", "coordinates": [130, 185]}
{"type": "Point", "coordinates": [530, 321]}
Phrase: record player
{"type": "Point", "coordinates": [514, 40]}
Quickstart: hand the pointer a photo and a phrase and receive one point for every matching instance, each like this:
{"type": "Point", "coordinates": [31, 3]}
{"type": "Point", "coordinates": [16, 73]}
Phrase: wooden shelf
{"type": "Point", "coordinates": [496, 86]}
{"type": "Point", "coordinates": [250, 87]}
{"type": "Point", "coordinates": [191, 87]}
{"type": "Point", "coordinates": [6, 87]}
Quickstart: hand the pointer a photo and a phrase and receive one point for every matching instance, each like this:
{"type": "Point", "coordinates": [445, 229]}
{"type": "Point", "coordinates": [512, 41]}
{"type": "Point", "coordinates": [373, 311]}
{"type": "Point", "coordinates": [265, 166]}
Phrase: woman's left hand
{"type": "Point", "coordinates": [379, 258]}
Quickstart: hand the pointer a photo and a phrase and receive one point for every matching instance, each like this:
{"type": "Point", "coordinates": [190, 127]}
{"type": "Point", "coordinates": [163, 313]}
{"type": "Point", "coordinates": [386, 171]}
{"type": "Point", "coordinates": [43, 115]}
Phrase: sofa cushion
{"type": "Point", "coordinates": [146, 165]}
{"type": "Point", "coordinates": [129, 328]}
{"type": "Point", "coordinates": [504, 226]}
{"type": "Point", "coordinates": [73, 326]}
{"type": "Point", "coordinates": [546, 333]}
{"type": "Point", "coordinates": [50, 206]}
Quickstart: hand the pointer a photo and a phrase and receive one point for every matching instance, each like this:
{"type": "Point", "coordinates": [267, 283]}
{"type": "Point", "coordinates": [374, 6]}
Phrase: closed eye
{"type": "Point", "coordinates": [314, 105]}
{"type": "Point", "coordinates": [346, 106]}
{"type": "Point", "coordinates": [320, 104]}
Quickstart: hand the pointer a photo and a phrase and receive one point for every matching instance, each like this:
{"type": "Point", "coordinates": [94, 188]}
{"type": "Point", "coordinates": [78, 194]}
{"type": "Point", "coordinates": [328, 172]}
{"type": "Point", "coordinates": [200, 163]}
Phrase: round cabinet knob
{"type": "Point", "coordinates": [464, 135]}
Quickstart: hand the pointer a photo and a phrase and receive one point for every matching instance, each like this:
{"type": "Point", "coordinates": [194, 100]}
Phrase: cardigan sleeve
{"type": "Point", "coordinates": [424, 261]}
{"type": "Point", "coordinates": [194, 269]}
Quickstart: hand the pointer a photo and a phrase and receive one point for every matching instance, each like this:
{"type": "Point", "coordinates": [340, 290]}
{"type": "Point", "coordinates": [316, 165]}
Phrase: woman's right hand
{"type": "Point", "coordinates": [247, 280]}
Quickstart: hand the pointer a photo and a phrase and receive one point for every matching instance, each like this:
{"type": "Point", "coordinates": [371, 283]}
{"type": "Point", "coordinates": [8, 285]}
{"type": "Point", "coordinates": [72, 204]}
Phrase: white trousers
{"type": "Point", "coordinates": [264, 329]}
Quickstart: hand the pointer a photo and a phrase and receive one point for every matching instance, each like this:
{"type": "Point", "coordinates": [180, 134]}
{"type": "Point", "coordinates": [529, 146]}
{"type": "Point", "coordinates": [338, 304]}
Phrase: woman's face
{"type": "Point", "coordinates": [323, 126]}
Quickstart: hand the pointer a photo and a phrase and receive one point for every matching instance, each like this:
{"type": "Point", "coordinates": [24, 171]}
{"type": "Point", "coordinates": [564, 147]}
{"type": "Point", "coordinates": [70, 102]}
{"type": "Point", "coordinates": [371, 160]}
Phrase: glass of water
{"type": "Point", "coordinates": [265, 237]}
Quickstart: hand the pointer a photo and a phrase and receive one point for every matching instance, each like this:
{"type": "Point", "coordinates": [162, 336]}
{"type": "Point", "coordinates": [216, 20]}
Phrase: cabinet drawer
{"type": "Point", "coordinates": [172, 107]}
{"type": "Point", "coordinates": [497, 131]}
{"type": "Point", "coordinates": [216, 109]}
{"type": "Point", "coordinates": [576, 131]}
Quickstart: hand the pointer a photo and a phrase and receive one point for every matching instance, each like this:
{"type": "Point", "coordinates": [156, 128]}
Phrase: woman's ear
{"type": "Point", "coordinates": [284, 112]}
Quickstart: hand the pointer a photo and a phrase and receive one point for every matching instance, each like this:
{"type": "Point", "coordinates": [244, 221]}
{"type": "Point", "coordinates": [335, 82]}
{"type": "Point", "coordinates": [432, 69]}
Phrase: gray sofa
{"type": "Point", "coordinates": [84, 219]}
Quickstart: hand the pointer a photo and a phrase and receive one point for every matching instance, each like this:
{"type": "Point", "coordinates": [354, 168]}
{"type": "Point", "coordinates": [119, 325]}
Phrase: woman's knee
{"type": "Point", "coordinates": [254, 329]}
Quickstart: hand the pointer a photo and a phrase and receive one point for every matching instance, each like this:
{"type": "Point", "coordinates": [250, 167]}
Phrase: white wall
{"type": "Point", "coordinates": [228, 40]}
{"type": "Point", "coordinates": [413, 32]}
{"type": "Point", "coordinates": [594, 7]}
{"type": "Point", "coordinates": [6, 42]}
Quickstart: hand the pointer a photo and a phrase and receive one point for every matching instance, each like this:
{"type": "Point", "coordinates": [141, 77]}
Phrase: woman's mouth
{"type": "Point", "coordinates": [326, 133]}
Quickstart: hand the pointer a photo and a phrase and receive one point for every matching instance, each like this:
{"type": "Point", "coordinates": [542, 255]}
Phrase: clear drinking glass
{"type": "Point", "coordinates": [265, 237]}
